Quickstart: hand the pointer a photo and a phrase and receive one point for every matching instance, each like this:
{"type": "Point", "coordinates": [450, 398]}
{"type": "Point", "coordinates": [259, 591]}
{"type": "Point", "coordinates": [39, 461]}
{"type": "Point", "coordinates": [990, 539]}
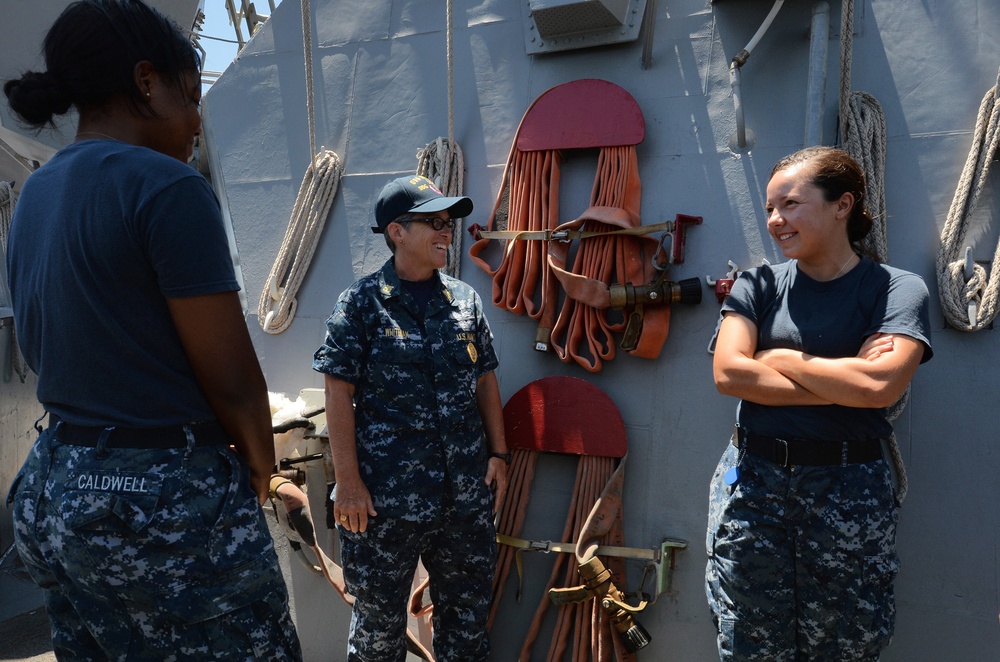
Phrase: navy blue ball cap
{"type": "Point", "coordinates": [415, 194]}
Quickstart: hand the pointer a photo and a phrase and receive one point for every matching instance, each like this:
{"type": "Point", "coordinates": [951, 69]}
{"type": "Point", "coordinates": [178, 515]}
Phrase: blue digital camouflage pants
{"type": "Point", "coordinates": [801, 561]}
{"type": "Point", "coordinates": [460, 558]}
{"type": "Point", "coordinates": [151, 554]}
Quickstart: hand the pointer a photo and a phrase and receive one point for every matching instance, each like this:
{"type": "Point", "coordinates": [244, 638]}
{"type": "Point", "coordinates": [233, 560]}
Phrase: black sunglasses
{"type": "Point", "coordinates": [435, 222]}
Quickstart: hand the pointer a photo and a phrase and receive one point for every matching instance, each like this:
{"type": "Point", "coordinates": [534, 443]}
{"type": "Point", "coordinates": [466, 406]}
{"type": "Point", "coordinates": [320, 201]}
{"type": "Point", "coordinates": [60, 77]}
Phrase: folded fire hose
{"type": "Point", "coordinates": [571, 416]}
{"type": "Point", "coordinates": [617, 264]}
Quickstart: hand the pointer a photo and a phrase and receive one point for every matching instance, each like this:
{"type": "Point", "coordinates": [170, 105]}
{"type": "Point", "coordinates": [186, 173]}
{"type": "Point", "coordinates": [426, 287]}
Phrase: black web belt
{"type": "Point", "coordinates": [205, 434]}
{"type": "Point", "coordinates": [807, 452]}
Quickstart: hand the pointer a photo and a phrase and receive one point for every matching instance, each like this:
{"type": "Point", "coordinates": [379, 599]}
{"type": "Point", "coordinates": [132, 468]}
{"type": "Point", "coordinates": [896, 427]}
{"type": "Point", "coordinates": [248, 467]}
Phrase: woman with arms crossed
{"type": "Point", "coordinates": [802, 517]}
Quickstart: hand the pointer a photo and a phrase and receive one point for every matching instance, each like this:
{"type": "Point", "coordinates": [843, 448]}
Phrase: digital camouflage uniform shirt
{"type": "Point", "coordinates": [419, 433]}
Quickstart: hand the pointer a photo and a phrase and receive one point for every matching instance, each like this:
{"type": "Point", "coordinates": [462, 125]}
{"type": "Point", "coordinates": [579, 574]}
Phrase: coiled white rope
{"type": "Point", "coordinates": [863, 134]}
{"type": "Point", "coordinates": [312, 206]}
{"type": "Point", "coordinates": [277, 305]}
{"type": "Point", "coordinates": [442, 161]}
{"type": "Point", "coordinates": [866, 142]}
{"type": "Point", "coordinates": [7, 201]}
{"type": "Point", "coordinates": [969, 301]}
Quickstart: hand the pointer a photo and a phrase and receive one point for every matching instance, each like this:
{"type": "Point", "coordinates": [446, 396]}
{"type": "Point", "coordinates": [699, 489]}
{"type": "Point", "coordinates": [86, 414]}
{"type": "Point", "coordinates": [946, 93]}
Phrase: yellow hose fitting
{"type": "Point", "coordinates": [597, 579]}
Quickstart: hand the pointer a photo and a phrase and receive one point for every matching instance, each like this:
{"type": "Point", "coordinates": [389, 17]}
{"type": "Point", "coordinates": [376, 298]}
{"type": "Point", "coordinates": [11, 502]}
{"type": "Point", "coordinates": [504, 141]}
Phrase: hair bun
{"type": "Point", "coordinates": [859, 225]}
{"type": "Point", "coordinates": [37, 97]}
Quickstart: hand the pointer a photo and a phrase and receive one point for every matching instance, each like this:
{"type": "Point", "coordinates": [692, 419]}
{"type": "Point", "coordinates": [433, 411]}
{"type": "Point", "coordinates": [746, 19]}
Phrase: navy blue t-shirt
{"type": "Point", "coordinates": [829, 319]}
{"type": "Point", "coordinates": [102, 235]}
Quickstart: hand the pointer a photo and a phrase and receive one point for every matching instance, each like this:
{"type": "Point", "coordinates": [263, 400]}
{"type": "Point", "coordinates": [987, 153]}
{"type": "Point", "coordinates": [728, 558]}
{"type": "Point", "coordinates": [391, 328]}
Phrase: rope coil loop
{"type": "Point", "coordinates": [959, 293]}
{"type": "Point", "coordinates": [312, 207]}
{"type": "Point", "coordinates": [277, 305]}
{"type": "Point", "coordinates": [442, 161]}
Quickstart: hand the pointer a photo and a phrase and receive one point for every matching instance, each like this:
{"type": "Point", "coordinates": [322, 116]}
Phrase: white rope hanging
{"type": "Point", "coordinates": [969, 300]}
{"type": "Point", "coordinates": [312, 207]}
{"type": "Point", "coordinates": [863, 132]}
{"type": "Point", "coordinates": [7, 201]}
{"type": "Point", "coordinates": [442, 161]}
{"type": "Point", "coordinates": [846, 60]}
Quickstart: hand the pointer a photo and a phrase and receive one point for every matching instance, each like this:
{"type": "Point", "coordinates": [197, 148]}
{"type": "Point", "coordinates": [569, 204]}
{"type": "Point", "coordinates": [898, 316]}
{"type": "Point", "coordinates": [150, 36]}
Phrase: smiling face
{"type": "Point", "coordinates": [805, 225]}
{"type": "Point", "coordinates": [420, 249]}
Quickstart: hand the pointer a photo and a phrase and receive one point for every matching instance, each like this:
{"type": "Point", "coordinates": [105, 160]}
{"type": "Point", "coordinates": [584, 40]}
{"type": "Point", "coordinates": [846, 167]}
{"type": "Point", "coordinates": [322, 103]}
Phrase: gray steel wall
{"type": "Point", "coordinates": [381, 94]}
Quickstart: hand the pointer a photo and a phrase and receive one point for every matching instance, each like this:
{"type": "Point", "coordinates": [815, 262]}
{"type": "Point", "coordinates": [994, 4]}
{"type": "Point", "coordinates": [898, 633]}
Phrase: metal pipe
{"type": "Point", "coordinates": [735, 80]}
{"type": "Point", "coordinates": [649, 25]}
{"type": "Point", "coordinates": [739, 141]}
{"type": "Point", "coordinates": [819, 39]}
{"type": "Point", "coordinates": [763, 28]}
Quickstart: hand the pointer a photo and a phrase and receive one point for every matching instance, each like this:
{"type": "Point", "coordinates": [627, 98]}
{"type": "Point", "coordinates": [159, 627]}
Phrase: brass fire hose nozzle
{"type": "Point", "coordinates": [629, 295]}
{"type": "Point", "coordinates": [597, 581]}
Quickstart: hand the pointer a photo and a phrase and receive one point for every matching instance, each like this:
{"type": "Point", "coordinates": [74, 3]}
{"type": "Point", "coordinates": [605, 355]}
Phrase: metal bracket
{"type": "Point", "coordinates": [665, 565]}
{"type": "Point", "coordinates": [662, 567]}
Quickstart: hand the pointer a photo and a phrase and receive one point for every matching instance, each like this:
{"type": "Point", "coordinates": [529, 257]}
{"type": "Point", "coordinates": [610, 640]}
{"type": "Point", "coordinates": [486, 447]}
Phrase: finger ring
{"type": "Point", "coordinates": [343, 518]}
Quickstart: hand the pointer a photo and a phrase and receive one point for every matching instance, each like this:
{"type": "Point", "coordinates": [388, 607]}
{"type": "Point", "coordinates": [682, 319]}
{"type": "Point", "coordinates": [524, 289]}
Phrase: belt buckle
{"type": "Point", "coordinates": [784, 463]}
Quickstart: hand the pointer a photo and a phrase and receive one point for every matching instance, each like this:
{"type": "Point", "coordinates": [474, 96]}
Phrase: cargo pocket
{"type": "Point", "coordinates": [238, 615]}
{"type": "Point", "coordinates": [262, 630]}
{"type": "Point", "coordinates": [870, 628]}
{"type": "Point", "coordinates": [220, 594]}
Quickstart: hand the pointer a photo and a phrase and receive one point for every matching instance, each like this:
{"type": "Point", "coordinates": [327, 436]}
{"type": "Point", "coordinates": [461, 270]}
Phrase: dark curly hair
{"type": "Point", "coordinates": [90, 56]}
{"type": "Point", "coordinates": [835, 172]}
